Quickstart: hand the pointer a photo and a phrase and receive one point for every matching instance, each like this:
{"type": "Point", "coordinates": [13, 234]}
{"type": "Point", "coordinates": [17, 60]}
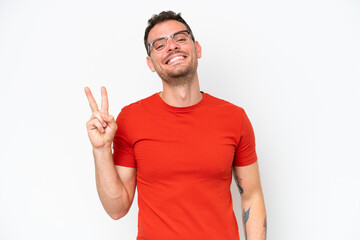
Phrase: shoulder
{"type": "Point", "coordinates": [138, 105]}
{"type": "Point", "coordinates": [136, 109]}
{"type": "Point", "coordinates": [224, 105]}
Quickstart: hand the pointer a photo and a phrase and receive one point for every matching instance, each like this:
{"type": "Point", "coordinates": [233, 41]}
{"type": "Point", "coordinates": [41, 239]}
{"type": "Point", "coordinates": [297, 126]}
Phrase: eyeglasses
{"type": "Point", "coordinates": [160, 44]}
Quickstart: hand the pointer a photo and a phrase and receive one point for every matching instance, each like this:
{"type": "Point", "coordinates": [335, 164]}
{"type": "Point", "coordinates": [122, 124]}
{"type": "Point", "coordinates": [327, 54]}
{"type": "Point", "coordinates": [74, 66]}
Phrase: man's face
{"type": "Point", "coordinates": [178, 62]}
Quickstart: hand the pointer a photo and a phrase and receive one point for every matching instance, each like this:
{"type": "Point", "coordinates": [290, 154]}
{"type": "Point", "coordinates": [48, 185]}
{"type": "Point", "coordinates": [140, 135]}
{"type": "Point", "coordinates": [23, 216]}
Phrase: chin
{"type": "Point", "coordinates": [178, 74]}
{"type": "Point", "coordinates": [181, 71]}
{"type": "Point", "coordinates": [178, 78]}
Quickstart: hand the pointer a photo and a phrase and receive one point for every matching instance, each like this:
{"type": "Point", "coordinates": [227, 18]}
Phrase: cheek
{"type": "Point", "coordinates": [158, 59]}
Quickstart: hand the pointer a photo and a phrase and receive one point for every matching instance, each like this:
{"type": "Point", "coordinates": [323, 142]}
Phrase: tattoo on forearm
{"type": "Point", "coordinates": [245, 219]}
{"type": "Point", "coordinates": [265, 226]}
{"type": "Point", "coordinates": [241, 190]}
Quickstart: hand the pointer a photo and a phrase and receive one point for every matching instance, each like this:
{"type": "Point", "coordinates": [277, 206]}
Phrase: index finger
{"type": "Point", "coordinates": [104, 101]}
{"type": "Point", "coordinates": [91, 100]}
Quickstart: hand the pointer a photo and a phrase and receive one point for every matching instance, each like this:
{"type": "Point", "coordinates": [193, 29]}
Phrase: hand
{"type": "Point", "coordinates": [101, 127]}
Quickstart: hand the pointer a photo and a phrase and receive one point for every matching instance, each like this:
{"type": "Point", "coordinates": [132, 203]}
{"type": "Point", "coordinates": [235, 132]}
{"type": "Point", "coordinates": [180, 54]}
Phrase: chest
{"type": "Point", "coordinates": [185, 147]}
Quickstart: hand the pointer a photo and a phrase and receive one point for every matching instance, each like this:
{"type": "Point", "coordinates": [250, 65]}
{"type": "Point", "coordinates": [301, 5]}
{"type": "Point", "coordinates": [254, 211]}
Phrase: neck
{"type": "Point", "coordinates": [182, 95]}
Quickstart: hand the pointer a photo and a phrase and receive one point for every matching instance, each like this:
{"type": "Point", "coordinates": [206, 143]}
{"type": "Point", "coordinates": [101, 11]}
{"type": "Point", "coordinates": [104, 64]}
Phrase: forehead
{"type": "Point", "coordinates": [164, 29]}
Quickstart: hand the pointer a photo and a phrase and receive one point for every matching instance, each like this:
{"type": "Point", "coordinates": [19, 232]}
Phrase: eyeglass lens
{"type": "Point", "coordinates": [180, 37]}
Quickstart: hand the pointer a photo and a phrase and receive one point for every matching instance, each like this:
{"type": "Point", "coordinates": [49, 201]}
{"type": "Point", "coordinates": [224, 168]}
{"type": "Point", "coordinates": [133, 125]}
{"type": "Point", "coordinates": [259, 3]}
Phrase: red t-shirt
{"type": "Point", "coordinates": [184, 158]}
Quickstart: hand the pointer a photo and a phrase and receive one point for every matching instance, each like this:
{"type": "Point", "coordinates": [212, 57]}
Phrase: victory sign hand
{"type": "Point", "coordinates": [101, 127]}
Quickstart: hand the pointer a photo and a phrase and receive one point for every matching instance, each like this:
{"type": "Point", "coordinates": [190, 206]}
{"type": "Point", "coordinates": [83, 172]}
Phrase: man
{"type": "Point", "coordinates": [179, 148]}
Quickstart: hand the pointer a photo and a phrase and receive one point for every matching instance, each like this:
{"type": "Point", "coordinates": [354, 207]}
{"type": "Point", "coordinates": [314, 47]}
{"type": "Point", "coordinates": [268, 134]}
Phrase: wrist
{"type": "Point", "coordinates": [106, 149]}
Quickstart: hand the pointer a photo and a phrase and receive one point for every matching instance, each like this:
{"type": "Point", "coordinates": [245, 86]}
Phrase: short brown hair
{"type": "Point", "coordinates": [162, 17]}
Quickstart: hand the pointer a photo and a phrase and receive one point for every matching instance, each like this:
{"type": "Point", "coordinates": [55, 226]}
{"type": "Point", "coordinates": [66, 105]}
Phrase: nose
{"type": "Point", "coordinates": [172, 45]}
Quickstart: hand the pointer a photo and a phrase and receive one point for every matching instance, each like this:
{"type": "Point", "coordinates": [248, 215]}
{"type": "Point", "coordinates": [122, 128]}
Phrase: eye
{"type": "Point", "coordinates": [159, 44]}
{"type": "Point", "coordinates": [159, 47]}
{"type": "Point", "coordinates": [181, 37]}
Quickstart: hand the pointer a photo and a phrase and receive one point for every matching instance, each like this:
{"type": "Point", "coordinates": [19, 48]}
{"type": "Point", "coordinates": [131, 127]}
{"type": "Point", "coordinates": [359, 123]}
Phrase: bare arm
{"type": "Point", "coordinates": [115, 184]}
{"type": "Point", "coordinates": [252, 202]}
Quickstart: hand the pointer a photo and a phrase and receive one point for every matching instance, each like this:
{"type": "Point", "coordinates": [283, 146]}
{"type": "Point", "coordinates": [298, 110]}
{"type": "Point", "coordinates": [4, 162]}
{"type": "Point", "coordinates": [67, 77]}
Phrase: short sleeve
{"type": "Point", "coordinates": [245, 153]}
{"type": "Point", "coordinates": [123, 152]}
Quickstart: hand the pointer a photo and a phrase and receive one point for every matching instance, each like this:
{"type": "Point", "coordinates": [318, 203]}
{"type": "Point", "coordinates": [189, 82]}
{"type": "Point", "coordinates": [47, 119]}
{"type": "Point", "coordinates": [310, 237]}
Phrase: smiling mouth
{"type": "Point", "coordinates": [175, 59]}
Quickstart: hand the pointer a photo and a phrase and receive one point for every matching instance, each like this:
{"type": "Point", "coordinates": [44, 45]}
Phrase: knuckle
{"type": "Point", "coordinates": [90, 122]}
{"type": "Point", "coordinates": [97, 123]}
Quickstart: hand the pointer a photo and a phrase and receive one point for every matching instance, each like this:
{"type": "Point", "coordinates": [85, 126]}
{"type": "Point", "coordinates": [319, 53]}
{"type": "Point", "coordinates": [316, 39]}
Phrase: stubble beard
{"type": "Point", "coordinates": [179, 77]}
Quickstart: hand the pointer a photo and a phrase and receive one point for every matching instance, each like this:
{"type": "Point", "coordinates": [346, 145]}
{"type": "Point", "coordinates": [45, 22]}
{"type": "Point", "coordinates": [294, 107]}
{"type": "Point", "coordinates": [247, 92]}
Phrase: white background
{"type": "Point", "coordinates": [292, 65]}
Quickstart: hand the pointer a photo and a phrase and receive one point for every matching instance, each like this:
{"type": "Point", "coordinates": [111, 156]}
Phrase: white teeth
{"type": "Point", "coordinates": [175, 58]}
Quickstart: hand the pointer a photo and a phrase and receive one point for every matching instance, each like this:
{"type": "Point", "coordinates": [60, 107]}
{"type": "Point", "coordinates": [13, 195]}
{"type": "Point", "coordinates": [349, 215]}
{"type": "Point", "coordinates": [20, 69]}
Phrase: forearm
{"type": "Point", "coordinates": [254, 216]}
{"type": "Point", "coordinates": [112, 192]}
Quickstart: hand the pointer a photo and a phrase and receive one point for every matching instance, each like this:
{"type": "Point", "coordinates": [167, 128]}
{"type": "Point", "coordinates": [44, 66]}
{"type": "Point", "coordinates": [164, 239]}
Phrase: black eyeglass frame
{"type": "Point", "coordinates": [166, 38]}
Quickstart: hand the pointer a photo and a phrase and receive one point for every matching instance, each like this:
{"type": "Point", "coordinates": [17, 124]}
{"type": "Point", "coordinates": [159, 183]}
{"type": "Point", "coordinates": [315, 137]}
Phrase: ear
{"type": "Point", "coordinates": [150, 64]}
{"type": "Point", "coordinates": [198, 49]}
